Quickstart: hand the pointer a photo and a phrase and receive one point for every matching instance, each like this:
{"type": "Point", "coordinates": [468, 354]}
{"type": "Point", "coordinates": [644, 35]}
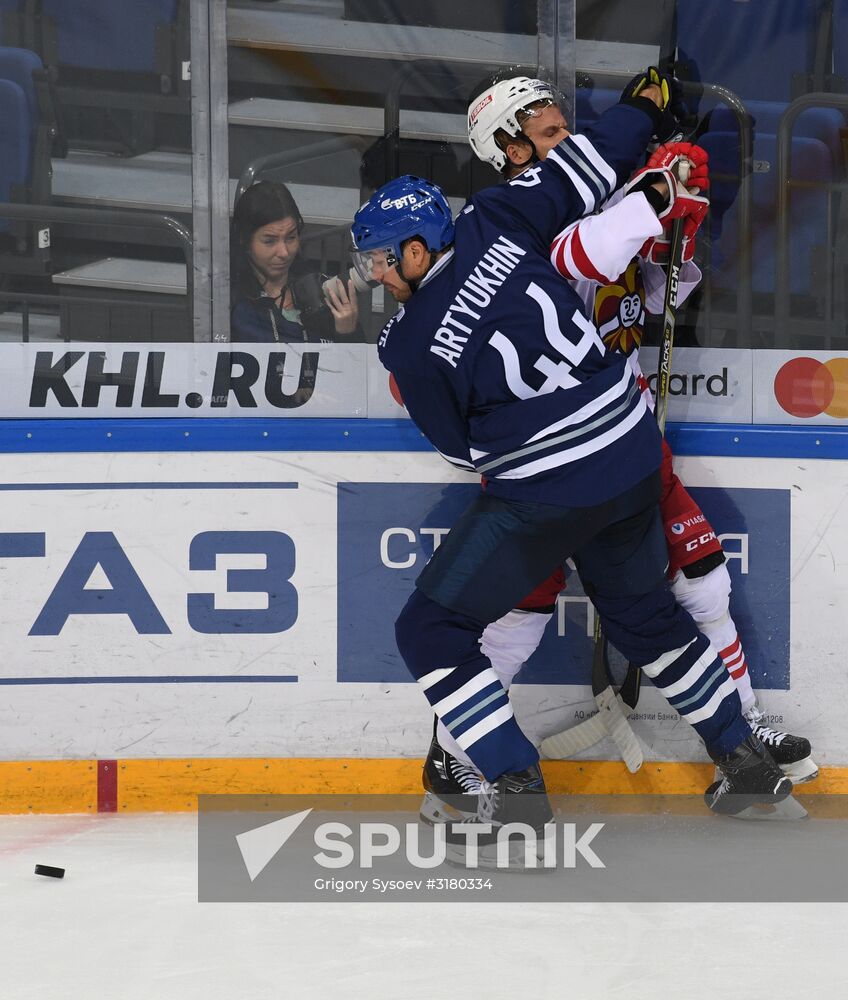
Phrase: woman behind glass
{"type": "Point", "coordinates": [275, 295]}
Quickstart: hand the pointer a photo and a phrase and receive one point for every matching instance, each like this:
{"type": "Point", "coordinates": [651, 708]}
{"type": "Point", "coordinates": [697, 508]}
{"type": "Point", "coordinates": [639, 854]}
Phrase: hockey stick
{"type": "Point", "coordinates": [610, 707]}
{"type": "Point", "coordinates": [633, 681]}
{"type": "Point", "coordinates": [675, 262]}
{"type": "Point", "coordinates": [611, 719]}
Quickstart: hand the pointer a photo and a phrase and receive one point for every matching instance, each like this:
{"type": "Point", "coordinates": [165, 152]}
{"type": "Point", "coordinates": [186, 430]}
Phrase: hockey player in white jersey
{"type": "Point", "coordinates": [613, 260]}
{"type": "Point", "coordinates": [508, 380]}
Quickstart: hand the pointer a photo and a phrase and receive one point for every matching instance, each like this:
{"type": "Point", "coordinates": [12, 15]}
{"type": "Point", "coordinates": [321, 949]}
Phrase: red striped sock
{"type": "Point", "coordinates": [733, 656]}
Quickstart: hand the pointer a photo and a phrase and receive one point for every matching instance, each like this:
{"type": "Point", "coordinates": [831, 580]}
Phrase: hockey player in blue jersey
{"type": "Point", "coordinates": [505, 375]}
{"type": "Point", "coordinates": [513, 124]}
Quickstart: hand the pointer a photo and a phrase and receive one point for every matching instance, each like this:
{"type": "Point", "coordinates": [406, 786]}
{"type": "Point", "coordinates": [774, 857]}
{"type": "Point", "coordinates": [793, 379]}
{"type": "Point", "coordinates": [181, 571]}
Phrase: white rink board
{"type": "Point", "coordinates": [152, 522]}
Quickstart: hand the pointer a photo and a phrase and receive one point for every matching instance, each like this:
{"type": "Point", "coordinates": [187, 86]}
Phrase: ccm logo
{"type": "Point", "coordinates": [407, 199]}
{"type": "Point", "coordinates": [701, 540]}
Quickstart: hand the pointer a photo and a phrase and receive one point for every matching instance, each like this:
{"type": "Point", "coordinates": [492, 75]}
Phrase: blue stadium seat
{"type": "Point", "coordinates": [823, 124]}
{"type": "Point", "coordinates": [15, 131]}
{"type": "Point", "coordinates": [808, 216]}
{"type": "Point", "coordinates": [18, 65]}
{"type": "Point", "coordinates": [46, 138]}
{"type": "Point", "coordinates": [116, 35]}
{"type": "Point", "coordinates": [762, 50]}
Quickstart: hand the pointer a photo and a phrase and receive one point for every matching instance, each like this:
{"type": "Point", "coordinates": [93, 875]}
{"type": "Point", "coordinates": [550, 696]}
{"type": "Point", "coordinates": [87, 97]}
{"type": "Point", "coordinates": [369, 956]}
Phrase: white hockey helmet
{"type": "Point", "coordinates": [498, 107]}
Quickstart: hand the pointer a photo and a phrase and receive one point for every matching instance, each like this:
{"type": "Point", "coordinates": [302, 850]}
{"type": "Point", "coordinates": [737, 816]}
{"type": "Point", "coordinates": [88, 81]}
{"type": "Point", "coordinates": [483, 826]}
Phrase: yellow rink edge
{"type": "Point", "coordinates": [172, 785]}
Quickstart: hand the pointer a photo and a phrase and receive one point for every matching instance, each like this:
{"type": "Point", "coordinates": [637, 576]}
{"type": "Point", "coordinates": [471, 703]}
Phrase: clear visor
{"type": "Point", "coordinates": [535, 109]}
{"type": "Point", "coordinates": [371, 265]}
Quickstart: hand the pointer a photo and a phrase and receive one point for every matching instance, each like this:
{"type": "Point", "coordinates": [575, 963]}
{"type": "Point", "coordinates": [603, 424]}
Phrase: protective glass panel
{"type": "Point", "coordinates": [762, 337]}
{"type": "Point", "coordinates": [96, 181]}
{"type": "Point", "coordinates": [333, 97]}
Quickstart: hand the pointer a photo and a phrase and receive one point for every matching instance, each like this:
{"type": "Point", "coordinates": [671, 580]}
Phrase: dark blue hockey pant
{"type": "Point", "coordinates": [497, 552]}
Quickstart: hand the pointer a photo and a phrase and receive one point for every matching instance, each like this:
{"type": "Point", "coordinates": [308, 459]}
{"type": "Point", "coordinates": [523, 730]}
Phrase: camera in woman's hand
{"type": "Point", "coordinates": [359, 283]}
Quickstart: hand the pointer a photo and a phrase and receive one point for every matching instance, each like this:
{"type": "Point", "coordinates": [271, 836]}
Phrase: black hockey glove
{"type": "Point", "coordinates": [667, 119]}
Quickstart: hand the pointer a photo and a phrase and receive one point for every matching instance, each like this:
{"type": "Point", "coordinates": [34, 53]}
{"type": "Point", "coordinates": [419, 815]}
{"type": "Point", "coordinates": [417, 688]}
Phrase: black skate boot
{"type": "Point", "coordinates": [790, 753]}
{"type": "Point", "coordinates": [515, 797]}
{"type": "Point", "coordinates": [450, 787]}
{"type": "Point", "coordinates": [751, 782]}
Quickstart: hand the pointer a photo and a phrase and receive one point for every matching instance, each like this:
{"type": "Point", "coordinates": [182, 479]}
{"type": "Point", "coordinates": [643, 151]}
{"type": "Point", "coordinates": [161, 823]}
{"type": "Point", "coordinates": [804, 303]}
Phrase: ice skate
{"type": "Point", "coordinates": [515, 797]}
{"type": "Point", "coordinates": [450, 787]}
{"type": "Point", "coordinates": [790, 753]}
{"type": "Point", "coordinates": [752, 785]}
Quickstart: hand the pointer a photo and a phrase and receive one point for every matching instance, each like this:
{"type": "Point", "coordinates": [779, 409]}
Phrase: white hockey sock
{"type": "Point", "coordinates": [723, 635]}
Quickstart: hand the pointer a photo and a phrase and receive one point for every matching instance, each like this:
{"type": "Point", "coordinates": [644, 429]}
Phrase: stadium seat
{"type": "Point", "coordinates": [115, 35]}
{"type": "Point", "coordinates": [759, 49]}
{"type": "Point", "coordinates": [808, 217]}
{"type": "Point", "coordinates": [19, 65]}
{"type": "Point", "coordinates": [823, 124]}
{"type": "Point", "coordinates": [763, 52]}
{"type": "Point", "coordinates": [15, 133]}
{"type": "Point", "coordinates": [46, 137]}
{"type": "Point", "coordinates": [119, 68]}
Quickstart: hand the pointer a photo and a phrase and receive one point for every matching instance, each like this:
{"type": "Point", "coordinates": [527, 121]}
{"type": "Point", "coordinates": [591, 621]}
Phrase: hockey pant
{"type": "Point", "coordinates": [511, 641]}
{"type": "Point", "coordinates": [494, 555]}
{"type": "Point", "coordinates": [690, 537]}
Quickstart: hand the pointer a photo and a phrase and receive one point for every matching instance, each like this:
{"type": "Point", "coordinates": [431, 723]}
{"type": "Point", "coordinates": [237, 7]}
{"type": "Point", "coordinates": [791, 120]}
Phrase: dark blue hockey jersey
{"type": "Point", "coordinates": [496, 361]}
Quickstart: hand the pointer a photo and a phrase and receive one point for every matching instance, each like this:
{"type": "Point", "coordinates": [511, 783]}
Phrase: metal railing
{"type": "Point", "coordinates": [101, 217]}
{"type": "Point", "coordinates": [92, 217]}
{"type": "Point", "coordinates": [292, 157]}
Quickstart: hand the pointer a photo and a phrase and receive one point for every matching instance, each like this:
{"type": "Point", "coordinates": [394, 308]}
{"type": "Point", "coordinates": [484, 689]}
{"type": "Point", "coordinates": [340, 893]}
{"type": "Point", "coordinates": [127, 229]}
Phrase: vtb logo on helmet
{"type": "Point", "coordinates": [407, 199]}
{"type": "Point", "coordinates": [405, 207]}
{"type": "Point", "coordinates": [498, 108]}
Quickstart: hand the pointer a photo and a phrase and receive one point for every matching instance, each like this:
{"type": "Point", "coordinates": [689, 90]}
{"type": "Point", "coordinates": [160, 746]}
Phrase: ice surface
{"type": "Point", "coordinates": [125, 924]}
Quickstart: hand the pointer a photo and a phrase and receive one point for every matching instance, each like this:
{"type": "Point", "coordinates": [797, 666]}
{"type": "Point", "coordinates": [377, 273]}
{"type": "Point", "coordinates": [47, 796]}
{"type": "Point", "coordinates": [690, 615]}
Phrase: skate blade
{"type": "Point", "coordinates": [781, 806]}
{"type": "Point", "coordinates": [434, 811]}
{"type": "Point", "coordinates": [788, 810]}
{"type": "Point", "coordinates": [487, 859]}
{"type": "Point", "coordinates": [801, 771]}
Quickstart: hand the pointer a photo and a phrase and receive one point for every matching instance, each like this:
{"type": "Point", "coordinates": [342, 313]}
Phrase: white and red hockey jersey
{"type": "Point", "coordinates": [599, 255]}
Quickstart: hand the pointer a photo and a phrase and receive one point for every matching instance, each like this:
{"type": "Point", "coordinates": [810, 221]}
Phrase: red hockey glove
{"type": "Point", "coordinates": [692, 208]}
{"type": "Point", "coordinates": [673, 154]}
{"type": "Point", "coordinates": [684, 201]}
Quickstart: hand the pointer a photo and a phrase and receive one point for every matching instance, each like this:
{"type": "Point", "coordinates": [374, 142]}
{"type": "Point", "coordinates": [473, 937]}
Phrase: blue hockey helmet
{"type": "Point", "coordinates": [404, 207]}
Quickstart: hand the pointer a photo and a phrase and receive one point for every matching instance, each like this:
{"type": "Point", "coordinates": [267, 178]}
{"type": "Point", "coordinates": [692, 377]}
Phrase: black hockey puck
{"type": "Point", "coordinates": [48, 870]}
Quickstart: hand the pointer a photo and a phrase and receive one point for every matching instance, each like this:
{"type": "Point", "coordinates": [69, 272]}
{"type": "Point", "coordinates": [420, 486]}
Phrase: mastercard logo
{"type": "Point", "coordinates": [805, 387]}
